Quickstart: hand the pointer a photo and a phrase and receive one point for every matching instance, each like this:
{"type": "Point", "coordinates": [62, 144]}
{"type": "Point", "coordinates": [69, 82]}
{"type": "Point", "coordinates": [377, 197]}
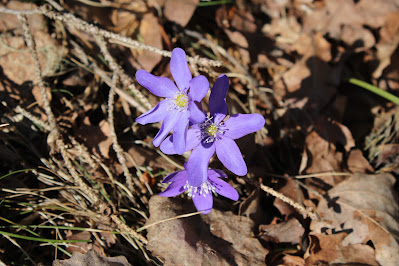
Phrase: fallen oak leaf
{"type": "Point", "coordinates": [218, 238]}
{"type": "Point", "coordinates": [92, 258]}
{"type": "Point", "coordinates": [365, 206]}
{"type": "Point", "coordinates": [328, 249]}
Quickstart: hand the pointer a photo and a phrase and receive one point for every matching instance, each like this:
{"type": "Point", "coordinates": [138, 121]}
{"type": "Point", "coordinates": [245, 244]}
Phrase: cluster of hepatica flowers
{"type": "Point", "coordinates": [194, 130]}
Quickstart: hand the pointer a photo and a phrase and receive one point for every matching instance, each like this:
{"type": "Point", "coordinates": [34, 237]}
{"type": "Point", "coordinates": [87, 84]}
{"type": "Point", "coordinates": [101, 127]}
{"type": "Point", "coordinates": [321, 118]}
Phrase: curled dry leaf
{"type": "Point", "coordinates": [287, 232]}
{"type": "Point", "coordinates": [219, 238]}
{"type": "Point", "coordinates": [151, 32]}
{"type": "Point", "coordinates": [329, 249]}
{"type": "Point", "coordinates": [92, 258]}
{"type": "Point", "coordinates": [345, 20]}
{"type": "Point", "coordinates": [357, 163]}
{"type": "Point", "coordinates": [388, 43]}
{"type": "Point", "coordinates": [180, 11]}
{"type": "Point", "coordinates": [366, 208]}
{"type": "Point", "coordinates": [292, 191]}
{"type": "Point", "coordinates": [16, 61]}
{"type": "Point", "coordinates": [323, 154]}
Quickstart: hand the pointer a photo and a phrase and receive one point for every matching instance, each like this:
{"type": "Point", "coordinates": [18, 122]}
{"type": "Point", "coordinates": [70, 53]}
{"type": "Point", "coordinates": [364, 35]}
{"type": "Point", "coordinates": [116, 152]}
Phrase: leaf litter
{"type": "Point", "coordinates": [327, 145]}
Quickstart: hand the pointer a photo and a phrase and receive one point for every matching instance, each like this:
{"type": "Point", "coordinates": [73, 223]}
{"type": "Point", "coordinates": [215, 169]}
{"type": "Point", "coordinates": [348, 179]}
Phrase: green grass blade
{"type": "Point", "coordinates": [38, 239]}
{"type": "Point", "coordinates": [376, 90]}
{"type": "Point", "coordinates": [16, 172]}
{"type": "Point", "coordinates": [214, 3]}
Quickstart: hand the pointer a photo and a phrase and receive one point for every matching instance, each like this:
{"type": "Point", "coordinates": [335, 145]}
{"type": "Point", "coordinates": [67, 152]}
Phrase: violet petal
{"type": "Point", "coordinates": [180, 133]}
{"type": "Point", "coordinates": [196, 115]}
{"type": "Point", "coordinates": [159, 86]}
{"type": "Point", "coordinates": [154, 115]}
{"type": "Point", "coordinates": [215, 173]}
{"type": "Point", "coordinates": [223, 188]}
{"type": "Point", "coordinates": [179, 69]}
{"type": "Point", "coordinates": [230, 156]}
{"type": "Point", "coordinates": [240, 125]}
{"type": "Point", "coordinates": [197, 164]}
{"type": "Point", "coordinates": [203, 202]}
{"type": "Point", "coordinates": [176, 176]}
{"type": "Point", "coordinates": [168, 123]}
{"type": "Point", "coordinates": [199, 87]}
{"type": "Point", "coordinates": [192, 141]}
{"type": "Point", "coordinates": [174, 189]}
{"type": "Point", "coordinates": [217, 100]}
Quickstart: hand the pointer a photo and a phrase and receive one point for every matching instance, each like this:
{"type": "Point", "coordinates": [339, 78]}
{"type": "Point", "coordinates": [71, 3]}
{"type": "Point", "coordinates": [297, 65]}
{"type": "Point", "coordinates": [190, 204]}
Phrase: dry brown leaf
{"type": "Point", "coordinates": [17, 62]}
{"type": "Point", "coordinates": [252, 208]}
{"type": "Point", "coordinates": [219, 238]}
{"type": "Point", "coordinates": [302, 87]}
{"type": "Point", "coordinates": [10, 22]}
{"type": "Point", "coordinates": [180, 11]}
{"type": "Point", "coordinates": [243, 21]}
{"type": "Point", "coordinates": [344, 20]}
{"type": "Point", "coordinates": [357, 163]}
{"type": "Point", "coordinates": [365, 207]}
{"type": "Point", "coordinates": [97, 138]}
{"type": "Point", "coordinates": [79, 247]}
{"type": "Point", "coordinates": [125, 22]}
{"type": "Point", "coordinates": [328, 250]}
{"type": "Point", "coordinates": [321, 146]}
{"type": "Point", "coordinates": [287, 232]}
{"type": "Point", "coordinates": [388, 44]}
{"type": "Point", "coordinates": [151, 32]}
{"type": "Point", "coordinates": [91, 258]}
{"type": "Point", "coordinates": [292, 191]}
{"type": "Point", "coordinates": [388, 157]}
{"type": "Point", "coordinates": [289, 260]}
{"type": "Point", "coordinates": [287, 30]}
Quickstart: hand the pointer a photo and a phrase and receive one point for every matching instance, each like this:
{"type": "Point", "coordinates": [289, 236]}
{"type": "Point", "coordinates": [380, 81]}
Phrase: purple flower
{"type": "Point", "coordinates": [201, 194]}
{"type": "Point", "coordinates": [214, 135]}
{"type": "Point", "coordinates": [180, 106]}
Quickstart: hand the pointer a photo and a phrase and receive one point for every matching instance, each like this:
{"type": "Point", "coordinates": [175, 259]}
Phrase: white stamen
{"type": "Point", "coordinates": [209, 130]}
{"type": "Point", "coordinates": [204, 189]}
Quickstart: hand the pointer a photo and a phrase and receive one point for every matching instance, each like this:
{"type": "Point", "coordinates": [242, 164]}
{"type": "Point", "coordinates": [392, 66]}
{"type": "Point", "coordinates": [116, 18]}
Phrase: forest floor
{"type": "Point", "coordinates": [77, 173]}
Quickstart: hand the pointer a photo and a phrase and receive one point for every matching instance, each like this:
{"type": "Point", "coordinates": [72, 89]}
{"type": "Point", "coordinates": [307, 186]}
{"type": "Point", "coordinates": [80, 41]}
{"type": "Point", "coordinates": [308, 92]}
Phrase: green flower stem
{"type": "Point", "coordinates": [375, 90]}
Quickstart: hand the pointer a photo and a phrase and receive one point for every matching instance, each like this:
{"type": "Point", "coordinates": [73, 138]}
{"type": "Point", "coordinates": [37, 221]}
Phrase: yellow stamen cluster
{"type": "Point", "coordinates": [212, 130]}
{"type": "Point", "coordinates": [181, 100]}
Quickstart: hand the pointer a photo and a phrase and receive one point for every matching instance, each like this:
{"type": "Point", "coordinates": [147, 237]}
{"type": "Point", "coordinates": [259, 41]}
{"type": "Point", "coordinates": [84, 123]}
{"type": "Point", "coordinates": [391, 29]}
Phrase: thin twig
{"type": "Point", "coordinates": [301, 209]}
{"type": "Point", "coordinates": [115, 144]}
{"type": "Point", "coordinates": [77, 180]}
{"type": "Point", "coordinates": [118, 149]}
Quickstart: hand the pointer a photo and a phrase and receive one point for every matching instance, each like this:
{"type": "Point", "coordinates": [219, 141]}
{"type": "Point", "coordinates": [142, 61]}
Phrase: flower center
{"type": "Point", "coordinates": [204, 189]}
{"type": "Point", "coordinates": [181, 100]}
{"type": "Point", "coordinates": [212, 130]}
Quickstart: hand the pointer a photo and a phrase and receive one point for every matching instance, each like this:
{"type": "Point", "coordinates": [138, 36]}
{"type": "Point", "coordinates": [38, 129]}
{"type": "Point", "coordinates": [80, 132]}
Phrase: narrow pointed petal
{"type": "Point", "coordinates": [174, 189]}
{"type": "Point", "coordinates": [203, 203]}
{"type": "Point", "coordinates": [223, 188]}
{"type": "Point", "coordinates": [240, 125]}
{"type": "Point", "coordinates": [230, 156]}
{"type": "Point", "coordinates": [196, 115]}
{"type": "Point", "coordinates": [180, 133]}
{"type": "Point", "coordinates": [217, 100]}
{"type": "Point", "coordinates": [197, 164]}
{"type": "Point", "coordinates": [192, 141]}
{"type": "Point", "coordinates": [199, 87]}
{"type": "Point", "coordinates": [215, 173]}
{"type": "Point", "coordinates": [154, 115]}
{"type": "Point", "coordinates": [168, 123]}
{"type": "Point", "coordinates": [159, 86]}
{"type": "Point", "coordinates": [176, 176]}
{"type": "Point", "coordinates": [179, 69]}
